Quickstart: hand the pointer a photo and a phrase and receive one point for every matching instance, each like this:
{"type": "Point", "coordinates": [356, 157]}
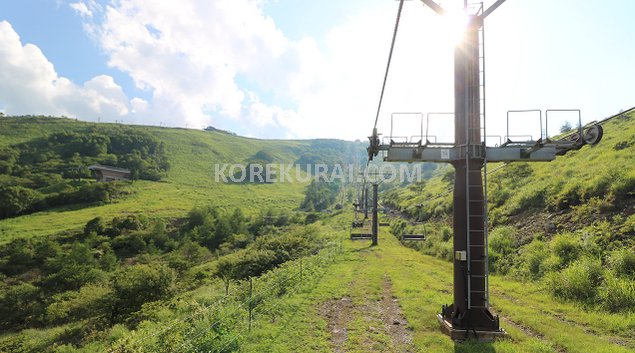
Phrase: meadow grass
{"type": "Point", "coordinates": [189, 183]}
{"type": "Point", "coordinates": [535, 321]}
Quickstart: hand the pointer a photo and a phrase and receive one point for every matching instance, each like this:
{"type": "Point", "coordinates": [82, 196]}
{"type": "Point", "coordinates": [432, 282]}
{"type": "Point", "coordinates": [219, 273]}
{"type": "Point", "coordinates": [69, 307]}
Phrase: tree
{"type": "Point", "coordinates": [135, 285]}
{"type": "Point", "coordinates": [95, 225]}
{"type": "Point", "coordinates": [15, 200]}
{"type": "Point", "coordinates": [18, 304]}
{"type": "Point", "coordinates": [566, 127]}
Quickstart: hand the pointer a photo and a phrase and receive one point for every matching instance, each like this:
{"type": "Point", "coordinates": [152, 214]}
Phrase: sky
{"type": "Point", "coordinates": [309, 69]}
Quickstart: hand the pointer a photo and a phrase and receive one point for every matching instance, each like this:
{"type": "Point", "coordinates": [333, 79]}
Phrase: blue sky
{"type": "Point", "coordinates": [302, 69]}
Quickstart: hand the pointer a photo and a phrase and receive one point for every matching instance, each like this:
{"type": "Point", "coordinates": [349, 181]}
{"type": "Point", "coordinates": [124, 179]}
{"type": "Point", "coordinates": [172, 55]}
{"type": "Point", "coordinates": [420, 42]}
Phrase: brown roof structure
{"type": "Point", "coordinates": [108, 173]}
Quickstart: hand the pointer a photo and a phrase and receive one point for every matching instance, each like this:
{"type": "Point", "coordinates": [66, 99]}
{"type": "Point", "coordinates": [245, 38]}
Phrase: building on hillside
{"type": "Point", "coordinates": [107, 173]}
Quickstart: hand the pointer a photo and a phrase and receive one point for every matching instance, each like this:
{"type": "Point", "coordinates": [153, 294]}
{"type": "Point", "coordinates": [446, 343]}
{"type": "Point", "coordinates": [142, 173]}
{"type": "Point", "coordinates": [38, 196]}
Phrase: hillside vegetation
{"type": "Point", "coordinates": [79, 275]}
{"type": "Point", "coordinates": [568, 224]}
{"type": "Point", "coordinates": [190, 180]}
{"type": "Point", "coordinates": [183, 263]}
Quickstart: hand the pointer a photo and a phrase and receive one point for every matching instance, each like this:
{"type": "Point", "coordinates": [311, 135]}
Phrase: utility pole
{"type": "Point", "coordinates": [365, 196]}
{"type": "Point", "coordinates": [375, 227]}
{"type": "Point", "coordinates": [469, 314]}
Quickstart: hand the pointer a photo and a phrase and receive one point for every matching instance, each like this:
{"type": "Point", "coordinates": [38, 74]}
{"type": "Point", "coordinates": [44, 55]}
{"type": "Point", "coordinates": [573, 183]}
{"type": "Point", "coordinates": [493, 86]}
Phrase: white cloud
{"type": "Point", "coordinates": [214, 62]}
{"type": "Point", "coordinates": [29, 84]}
{"type": "Point", "coordinates": [81, 9]}
{"type": "Point", "coordinates": [189, 55]}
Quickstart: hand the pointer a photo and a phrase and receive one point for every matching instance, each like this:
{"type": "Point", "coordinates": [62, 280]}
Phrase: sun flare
{"type": "Point", "coordinates": [454, 23]}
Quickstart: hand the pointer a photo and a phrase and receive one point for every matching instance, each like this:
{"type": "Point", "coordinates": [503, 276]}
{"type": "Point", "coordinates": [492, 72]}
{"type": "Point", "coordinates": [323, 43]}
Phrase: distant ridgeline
{"type": "Point", "coordinates": [50, 171]}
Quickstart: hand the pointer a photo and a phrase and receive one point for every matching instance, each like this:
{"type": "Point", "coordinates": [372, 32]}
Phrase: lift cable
{"type": "Point", "coordinates": [392, 47]}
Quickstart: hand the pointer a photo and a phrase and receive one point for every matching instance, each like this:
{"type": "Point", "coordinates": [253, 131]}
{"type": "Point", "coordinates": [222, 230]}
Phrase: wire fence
{"type": "Point", "coordinates": [221, 325]}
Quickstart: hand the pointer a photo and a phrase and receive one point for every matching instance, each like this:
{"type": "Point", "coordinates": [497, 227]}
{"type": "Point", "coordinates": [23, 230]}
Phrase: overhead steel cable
{"type": "Point", "coordinates": [392, 47]}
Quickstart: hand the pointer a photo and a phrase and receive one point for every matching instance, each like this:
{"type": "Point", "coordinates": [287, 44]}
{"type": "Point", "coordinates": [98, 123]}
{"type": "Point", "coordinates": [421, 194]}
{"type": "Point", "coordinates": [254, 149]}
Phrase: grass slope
{"type": "Point", "coordinates": [190, 181]}
{"type": "Point", "coordinates": [421, 284]}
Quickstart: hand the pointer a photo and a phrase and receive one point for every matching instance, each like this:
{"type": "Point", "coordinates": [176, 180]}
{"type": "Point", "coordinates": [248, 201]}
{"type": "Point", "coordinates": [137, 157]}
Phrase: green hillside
{"type": "Point", "coordinates": [189, 182]}
{"type": "Point", "coordinates": [568, 224]}
{"type": "Point", "coordinates": [186, 264]}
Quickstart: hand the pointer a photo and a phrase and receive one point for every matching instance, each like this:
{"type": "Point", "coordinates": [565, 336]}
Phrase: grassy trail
{"type": "Point", "coordinates": [350, 310]}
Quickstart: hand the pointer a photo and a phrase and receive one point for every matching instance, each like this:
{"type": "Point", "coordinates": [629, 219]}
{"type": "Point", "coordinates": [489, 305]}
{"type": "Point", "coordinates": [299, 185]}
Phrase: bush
{"type": "Point", "coordinates": [15, 200]}
{"type": "Point", "coordinates": [135, 285]}
{"type": "Point", "coordinates": [566, 248]}
{"type": "Point", "coordinates": [95, 225]}
{"type": "Point", "coordinates": [617, 294]}
{"type": "Point", "coordinates": [579, 281]}
{"type": "Point", "coordinates": [622, 262]}
{"type": "Point", "coordinates": [532, 260]}
{"type": "Point", "coordinates": [91, 301]}
{"type": "Point", "coordinates": [502, 249]}
{"type": "Point", "coordinates": [18, 305]}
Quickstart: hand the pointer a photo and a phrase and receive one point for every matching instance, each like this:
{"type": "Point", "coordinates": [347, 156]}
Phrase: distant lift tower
{"type": "Point", "coordinates": [469, 315]}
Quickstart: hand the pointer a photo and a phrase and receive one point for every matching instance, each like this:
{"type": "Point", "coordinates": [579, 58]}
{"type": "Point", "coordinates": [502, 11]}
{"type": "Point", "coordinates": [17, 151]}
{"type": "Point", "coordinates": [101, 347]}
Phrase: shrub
{"type": "Point", "coordinates": [502, 249]}
{"type": "Point", "coordinates": [18, 305]}
{"type": "Point", "coordinates": [91, 301]}
{"type": "Point", "coordinates": [566, 247]}
{"type": "Point", "coordinates": [95, 225]}
{"type": "Point", "coordinates": [617, 294]}
{"type": "Point", "coordinates": [15, 200]}
{"type": "Point", "coordinates": [579, 281]}
{"type": "Point", "coordinates": [533, 258]}
{"type": "Point", "coordinates": [135, 285]}
{"type": "Point", "coordinates": [622, 262]}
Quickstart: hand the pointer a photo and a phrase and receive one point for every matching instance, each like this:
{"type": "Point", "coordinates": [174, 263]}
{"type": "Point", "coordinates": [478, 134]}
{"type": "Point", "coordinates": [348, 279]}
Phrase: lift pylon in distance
{"type": "Point", "coordinates": [469, 315]}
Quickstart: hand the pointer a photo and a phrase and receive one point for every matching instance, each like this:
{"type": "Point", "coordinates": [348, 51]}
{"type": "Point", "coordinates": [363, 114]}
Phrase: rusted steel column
{"type": "Point", "coordinates": [469, 280]}
{"type": "Point", "coordinates": [375, 219]}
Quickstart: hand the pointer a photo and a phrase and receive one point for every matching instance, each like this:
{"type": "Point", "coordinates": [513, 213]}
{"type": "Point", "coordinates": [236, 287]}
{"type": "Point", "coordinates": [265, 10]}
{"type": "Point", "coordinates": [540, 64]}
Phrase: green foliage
{"type": "Point", "coordinates": [19, 305]}
{"type": "Point", "coordinates": [566, 248]}
{"type": "Point", "coordinates": [134, 285]}
{"type": "Point", "coordinates": [532, 260]}
{"type": "Point", "coordinates": [580, 281]}
{"type": "Point", "coordinates": [320, 195]}
{"type": "Point", "coordinates": [503, 243]}
{"type": "Point", "coordinates": [46, 172]}
{"type": "Point", "coordinates": [622, 262]}
{"type": "Point", "coordinates": [268, 252]}
{"type": "Point", "coordinates": [71, 270]}
{"type": "Point", "coordinates": [95, 225]}
{"type": "Point", "coordinates": [15, 200]}
{"type": "Point", "coordinates": [617, 294]}
{"type": "Point", "coordinates": [91, 301]}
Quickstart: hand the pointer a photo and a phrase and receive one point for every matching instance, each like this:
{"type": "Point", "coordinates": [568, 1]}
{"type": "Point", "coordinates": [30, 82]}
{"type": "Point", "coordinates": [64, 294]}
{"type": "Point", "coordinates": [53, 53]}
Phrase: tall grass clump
{"type": "Point", "coordinates": [622, 262]}
{"type": "Point", "coordinates": [532, 260]}
{"type": "Point", "coordinates": [617, 294]}
{"type": "Point", "coordinates": [580, 281]}
{"type": "Point", "coordinates": [503, 243]}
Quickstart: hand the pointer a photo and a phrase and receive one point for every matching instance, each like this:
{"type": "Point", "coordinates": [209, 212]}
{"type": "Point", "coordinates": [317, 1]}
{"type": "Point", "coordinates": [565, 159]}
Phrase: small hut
{"type": "Point", "coordinates": [108, 173]}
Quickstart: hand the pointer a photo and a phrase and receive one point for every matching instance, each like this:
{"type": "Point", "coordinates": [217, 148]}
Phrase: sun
{"type": "Point", "coordinates": [454, 24]}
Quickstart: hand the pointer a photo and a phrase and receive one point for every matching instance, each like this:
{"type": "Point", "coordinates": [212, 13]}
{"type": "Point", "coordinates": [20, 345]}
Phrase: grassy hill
{"type": "Point", "coordinates": [569, 223]}
{"type": "Point", "coordinates": [189, 182]}
{"type": "Point", "coordinates": [225, 277]}
{"type": "Point", "coordinates": [385, 299]}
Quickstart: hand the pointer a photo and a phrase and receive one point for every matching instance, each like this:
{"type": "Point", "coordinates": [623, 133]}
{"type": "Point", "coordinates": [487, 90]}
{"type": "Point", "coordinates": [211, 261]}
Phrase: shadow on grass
{"type": "Point", "coordinates": [472, 346]}
{"type": "Point", "coordinates": [362, 249]}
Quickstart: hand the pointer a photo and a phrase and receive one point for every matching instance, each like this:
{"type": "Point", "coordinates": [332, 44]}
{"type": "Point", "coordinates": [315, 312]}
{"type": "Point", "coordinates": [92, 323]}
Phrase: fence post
{"type": "Point", "coordinates": [251, 290]}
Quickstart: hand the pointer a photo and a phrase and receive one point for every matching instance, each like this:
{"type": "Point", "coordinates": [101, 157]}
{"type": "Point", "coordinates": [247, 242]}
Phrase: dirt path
{"type": "Point", "coordinates": [394, 320]}
{"type": "Point", "coordinates": [339, 313]}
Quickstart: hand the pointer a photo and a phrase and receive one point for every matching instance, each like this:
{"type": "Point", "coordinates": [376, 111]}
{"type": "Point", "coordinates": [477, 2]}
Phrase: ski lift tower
{"type": "Point", "coordinates": [469, 315]}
